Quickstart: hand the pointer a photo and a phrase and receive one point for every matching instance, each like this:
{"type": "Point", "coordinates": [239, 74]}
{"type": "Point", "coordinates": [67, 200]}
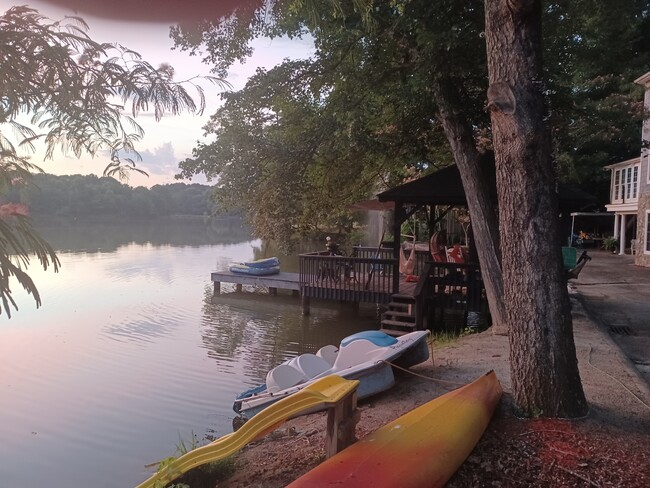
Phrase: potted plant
{"type": "Point", "coordinates": [610, 244]}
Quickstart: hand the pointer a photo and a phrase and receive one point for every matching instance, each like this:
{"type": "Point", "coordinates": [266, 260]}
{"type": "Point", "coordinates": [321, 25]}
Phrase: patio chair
{"type": "Point", "coordinates": [572, 274]}
{"type": "Point", "coordinates": [437, 247]}
{"type": "Point", "coordinates": [455, 254]}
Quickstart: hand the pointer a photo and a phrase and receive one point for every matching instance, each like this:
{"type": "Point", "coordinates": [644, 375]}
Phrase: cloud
{"type": "Point", "coordinates": [159, 161]}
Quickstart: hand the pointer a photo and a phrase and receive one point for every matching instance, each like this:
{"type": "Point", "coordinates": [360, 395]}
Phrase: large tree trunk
{"type": "Point", "coordinates": [544, 367]}
{"type": "Point", "coordinates": [481, 208]}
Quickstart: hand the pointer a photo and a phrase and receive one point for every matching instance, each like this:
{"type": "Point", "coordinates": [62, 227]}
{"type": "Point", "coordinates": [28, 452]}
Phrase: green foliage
{"type": "Point", "coordinates": [76, 91]}
{"type": "Point", "coordinates": [347, 122]}
{"type": "Point", "coordinates": [87, 197]}
{"type": "Point", "coordinates": [444, 338]}
{"type": "Point", "coordinates": [183, 447]}
{"type": "Point", "coordinates": [610, 243]}
{"type": "Point", "coordinates": [18, 242]}
{"type": "Point", "coordinates": [306, 139]}
{"type": "Point", "coordinates": [595, 49]}
{"type": "Point", "coordinates": [203, 476]}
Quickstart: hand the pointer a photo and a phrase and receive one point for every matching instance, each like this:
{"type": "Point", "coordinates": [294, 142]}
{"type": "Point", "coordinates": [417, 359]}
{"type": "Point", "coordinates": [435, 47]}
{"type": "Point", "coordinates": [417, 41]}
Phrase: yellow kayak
{"type": "Point", "coordinates": [422, 448]}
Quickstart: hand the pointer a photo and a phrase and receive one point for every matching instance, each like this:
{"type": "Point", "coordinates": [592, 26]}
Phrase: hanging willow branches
{"type": "Point", "coordinates": [62, 90]}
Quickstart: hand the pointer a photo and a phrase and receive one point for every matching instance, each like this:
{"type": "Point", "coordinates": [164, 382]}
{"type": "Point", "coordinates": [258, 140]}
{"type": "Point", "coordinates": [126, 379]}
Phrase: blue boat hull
{"type": "Point", "coordinates": [247, 270]}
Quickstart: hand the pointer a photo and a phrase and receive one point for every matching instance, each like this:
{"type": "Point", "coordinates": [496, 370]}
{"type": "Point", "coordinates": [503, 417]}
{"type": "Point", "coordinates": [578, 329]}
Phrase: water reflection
{"type": "Point", "coordinates": [259, 331]}
{"type": "Point", "coordinates": [153, 322]}
{"type": "Point", "coordinates": [130, 351]}
{"type": "Point", "coordinates": [108, 237]}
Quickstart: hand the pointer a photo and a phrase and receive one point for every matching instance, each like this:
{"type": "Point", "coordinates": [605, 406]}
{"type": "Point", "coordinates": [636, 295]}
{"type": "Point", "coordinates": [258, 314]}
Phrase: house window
{"type": "Point", "coordinates": [626, 184]}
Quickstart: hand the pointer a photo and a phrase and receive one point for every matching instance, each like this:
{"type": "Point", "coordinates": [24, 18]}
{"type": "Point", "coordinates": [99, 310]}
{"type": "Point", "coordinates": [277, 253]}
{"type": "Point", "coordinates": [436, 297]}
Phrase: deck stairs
{"type": "Point", "coordinates": [399, 318]}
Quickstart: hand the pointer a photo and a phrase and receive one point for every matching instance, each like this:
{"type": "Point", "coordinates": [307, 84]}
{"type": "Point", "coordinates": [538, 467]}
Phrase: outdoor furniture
{"type": "Point", "coordinates": [455, 254]}
{"type": "Point", "coordinates": [573, 266]}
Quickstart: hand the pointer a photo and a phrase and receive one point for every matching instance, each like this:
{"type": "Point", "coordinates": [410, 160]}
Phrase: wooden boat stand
{"type": "Point", "coordinates": [342, 419]}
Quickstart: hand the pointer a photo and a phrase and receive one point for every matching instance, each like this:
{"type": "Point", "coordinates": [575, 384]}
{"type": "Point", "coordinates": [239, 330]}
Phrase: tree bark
{"type": "Point", "coordinates": [544, 367]}
{"type": "Point", "coordinates": [481, 208]}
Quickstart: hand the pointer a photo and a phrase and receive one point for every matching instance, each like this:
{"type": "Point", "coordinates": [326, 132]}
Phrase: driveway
{"type": "Point", "coordinates": [616, 295]}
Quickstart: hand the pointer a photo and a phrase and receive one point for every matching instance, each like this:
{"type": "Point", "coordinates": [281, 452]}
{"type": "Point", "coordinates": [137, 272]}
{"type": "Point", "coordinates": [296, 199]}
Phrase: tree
{"type": "Point", "coordinates": [544, 366]}
{"type": "Point", "coordinates": [288, 132]}
{"type": "Point", "coordinates": [75, 90]}
{"type": "Point", "coordinates": [435, 47]}
{"type": "Point", "coordinates": [593, 50]}
{"type": "Point", "coordinates": [377, 88]}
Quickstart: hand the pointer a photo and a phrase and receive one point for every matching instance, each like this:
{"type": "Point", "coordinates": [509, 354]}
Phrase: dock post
{"type": "Point", "coordinates": [305, 305]}
{"type": "Point", "coordinates": [342, 420]}
{"type": "Point", "coordinates": [217, 288]}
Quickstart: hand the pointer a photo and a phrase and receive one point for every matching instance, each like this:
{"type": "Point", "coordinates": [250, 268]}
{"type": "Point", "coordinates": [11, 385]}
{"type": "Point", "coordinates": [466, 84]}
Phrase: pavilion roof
{"type": "Point", "coordinates": [444, 187]}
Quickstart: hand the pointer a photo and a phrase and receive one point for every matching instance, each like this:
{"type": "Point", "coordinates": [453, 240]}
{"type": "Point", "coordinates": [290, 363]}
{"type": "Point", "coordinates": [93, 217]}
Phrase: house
{"type": "Point", "coordinates": [630, 194]}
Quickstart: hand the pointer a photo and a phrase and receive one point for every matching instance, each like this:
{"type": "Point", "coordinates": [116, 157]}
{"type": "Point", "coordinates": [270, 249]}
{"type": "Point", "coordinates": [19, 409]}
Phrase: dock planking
{"type": "Point", "coordinates": [282, 280]}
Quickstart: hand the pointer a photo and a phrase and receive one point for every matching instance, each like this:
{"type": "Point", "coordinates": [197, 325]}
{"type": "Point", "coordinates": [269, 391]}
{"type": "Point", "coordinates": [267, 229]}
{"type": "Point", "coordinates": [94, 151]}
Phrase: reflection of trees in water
{"type": "Point", "coordinates": [254, 332]}
{"type": "Point", "coordinates": [108, 237]}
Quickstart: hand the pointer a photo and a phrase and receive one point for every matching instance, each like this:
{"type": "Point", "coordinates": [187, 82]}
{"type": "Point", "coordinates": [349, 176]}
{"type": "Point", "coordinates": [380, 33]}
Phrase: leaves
{"type": "Point", "coordinates": [363, 108]}
{"type": "Point", "coordinates": [19, 241]}
{"type": "Point", "coordinates": [77, 92]}
{"type": "Point", "coordinates": [333, 129]}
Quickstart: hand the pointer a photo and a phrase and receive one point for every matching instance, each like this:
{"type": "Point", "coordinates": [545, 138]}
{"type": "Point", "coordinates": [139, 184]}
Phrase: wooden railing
{"type": "Point", "coordinates": [421, 294]}
{"type": "Point", "coordinates": [421, 257]}
{"type": "Point", "coordinates": [366, 276]}
{"type": "Point", "coordinates": [451, 292]}
{"type": "Point", "coordinates": [372, 252]}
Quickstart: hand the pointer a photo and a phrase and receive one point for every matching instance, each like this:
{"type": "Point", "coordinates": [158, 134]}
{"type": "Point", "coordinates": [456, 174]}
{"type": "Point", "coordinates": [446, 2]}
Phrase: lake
{"type": "Point", "coordinates": [130, 353]}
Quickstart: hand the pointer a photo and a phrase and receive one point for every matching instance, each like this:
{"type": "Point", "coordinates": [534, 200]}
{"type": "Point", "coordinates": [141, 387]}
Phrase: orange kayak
{"type": "Point", "coordinates": [422, 448]}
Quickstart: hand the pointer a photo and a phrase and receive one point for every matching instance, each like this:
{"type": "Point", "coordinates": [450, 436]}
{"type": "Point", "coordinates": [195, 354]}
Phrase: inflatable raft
{"type": "Point", "coordinates": [254, 271]}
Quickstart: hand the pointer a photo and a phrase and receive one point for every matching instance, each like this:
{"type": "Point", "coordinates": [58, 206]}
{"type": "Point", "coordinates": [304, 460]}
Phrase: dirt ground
{"type": "Point", "coordinates": [608, 448]}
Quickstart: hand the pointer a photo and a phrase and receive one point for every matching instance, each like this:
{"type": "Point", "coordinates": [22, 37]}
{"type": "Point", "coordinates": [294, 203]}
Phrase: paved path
{"type": "Point", "coordinates": [616, 295]}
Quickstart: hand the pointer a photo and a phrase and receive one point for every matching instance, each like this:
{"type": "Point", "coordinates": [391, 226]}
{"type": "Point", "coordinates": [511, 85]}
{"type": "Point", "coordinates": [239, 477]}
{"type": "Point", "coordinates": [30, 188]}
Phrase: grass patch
{"type": "Point", "coordinates": [444, 338]}
{"type": "Point", "coordinates": [204, 476]}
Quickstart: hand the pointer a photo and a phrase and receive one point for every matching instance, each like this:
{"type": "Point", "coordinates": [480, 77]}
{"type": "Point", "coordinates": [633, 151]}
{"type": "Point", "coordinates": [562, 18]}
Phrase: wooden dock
{"type": "Point", "coordinates": [359, 279]}
{"type": "Point", "coordinates": [283, 281]}
{"type": "Point", "coordinates": [369, 275]}
{"type": "Point", "coordinates": [291, 281]}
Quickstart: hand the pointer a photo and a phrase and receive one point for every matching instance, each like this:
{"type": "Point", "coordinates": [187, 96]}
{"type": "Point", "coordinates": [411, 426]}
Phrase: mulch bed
{"type": "Point", "coordinates": [516, 452]}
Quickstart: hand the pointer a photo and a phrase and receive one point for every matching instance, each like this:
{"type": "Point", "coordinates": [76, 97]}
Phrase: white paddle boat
{"type": "Point", "coordinates": [366, 356]}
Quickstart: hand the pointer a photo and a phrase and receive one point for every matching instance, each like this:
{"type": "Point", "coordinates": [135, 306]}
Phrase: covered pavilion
{"type": "Point", "coordinates": [445, 188]}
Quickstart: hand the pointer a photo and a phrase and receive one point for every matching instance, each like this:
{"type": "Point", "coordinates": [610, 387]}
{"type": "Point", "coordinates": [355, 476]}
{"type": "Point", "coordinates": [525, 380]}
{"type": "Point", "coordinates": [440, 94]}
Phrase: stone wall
{"type": "Point", "coordinates": [643, 259]}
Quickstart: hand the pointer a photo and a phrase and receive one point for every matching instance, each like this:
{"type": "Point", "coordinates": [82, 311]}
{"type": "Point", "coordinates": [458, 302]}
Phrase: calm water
{"type": "Point", "coordinates": [129, 353]}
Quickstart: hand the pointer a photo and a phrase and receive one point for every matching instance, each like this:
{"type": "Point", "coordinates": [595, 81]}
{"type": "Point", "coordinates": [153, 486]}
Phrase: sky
{"type": "Point", "coordinates": [172, 138]}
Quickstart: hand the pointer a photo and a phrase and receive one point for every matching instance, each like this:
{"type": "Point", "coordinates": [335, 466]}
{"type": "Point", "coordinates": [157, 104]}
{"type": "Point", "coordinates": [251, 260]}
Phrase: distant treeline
{"type": "Point", "coordinates": [79, 196]}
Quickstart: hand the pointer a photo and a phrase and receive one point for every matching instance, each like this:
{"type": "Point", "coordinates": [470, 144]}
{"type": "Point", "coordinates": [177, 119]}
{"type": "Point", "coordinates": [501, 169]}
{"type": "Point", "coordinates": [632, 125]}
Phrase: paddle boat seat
{"type": "Point", "coordinates": [311, 365]}
{"type": "Point", "coordinates": [328, 353]}
{"type": "Point", "coordinates": [283, 376]}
